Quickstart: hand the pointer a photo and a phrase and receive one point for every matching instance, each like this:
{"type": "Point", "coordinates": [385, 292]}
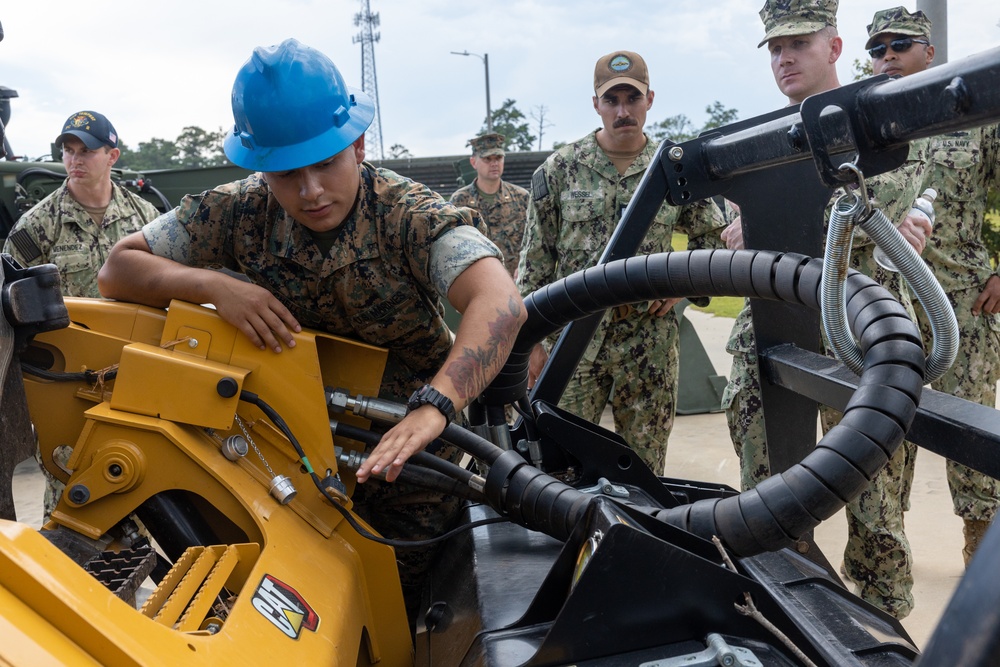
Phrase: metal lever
{"type": "Point", "coordinates": [717, 653]}
{"type": "Point", "coordinates": [605, 487]}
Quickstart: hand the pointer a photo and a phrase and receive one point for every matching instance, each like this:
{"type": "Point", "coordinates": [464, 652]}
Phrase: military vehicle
{"type": "Point", "coordinates": [220, 476]}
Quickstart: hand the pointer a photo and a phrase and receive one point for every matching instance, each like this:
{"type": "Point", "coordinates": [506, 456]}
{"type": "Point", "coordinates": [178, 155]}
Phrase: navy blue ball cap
{"type": "Point", "coordinates": [90, 127]}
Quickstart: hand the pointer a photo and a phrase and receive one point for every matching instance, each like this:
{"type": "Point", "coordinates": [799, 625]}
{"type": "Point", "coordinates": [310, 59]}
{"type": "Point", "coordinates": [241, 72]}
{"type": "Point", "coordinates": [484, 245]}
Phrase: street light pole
{"type": "Point", "coordinates": [486, 63]}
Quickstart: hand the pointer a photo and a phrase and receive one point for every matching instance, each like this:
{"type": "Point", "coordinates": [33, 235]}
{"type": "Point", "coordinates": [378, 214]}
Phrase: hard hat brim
{"type": "Point", "coordinates": [311, 151]}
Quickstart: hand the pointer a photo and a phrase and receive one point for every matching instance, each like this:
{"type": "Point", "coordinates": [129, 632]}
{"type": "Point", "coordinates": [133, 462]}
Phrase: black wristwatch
{"type": "Point", "coordinates": [428, 395]}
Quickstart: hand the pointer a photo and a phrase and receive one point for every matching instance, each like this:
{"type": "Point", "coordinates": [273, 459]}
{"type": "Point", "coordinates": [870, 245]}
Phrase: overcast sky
{"type": "Point", "coordinates": [154, 68]}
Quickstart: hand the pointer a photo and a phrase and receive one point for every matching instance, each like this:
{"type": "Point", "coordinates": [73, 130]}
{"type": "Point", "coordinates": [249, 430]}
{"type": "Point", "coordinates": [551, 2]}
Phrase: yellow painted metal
{"type": "Point", "coordinates": [176, 387]}
{"type": "Point", "coordinates": [93, 342]}
{"type": "Point", "coordinates": [153, 607]}
{"type": "Point", "coordinates": [116, 466]}
{"type": "Point", "coordinates": [124, 454]}
{"type": "Point", "coordinates": [29, 639]}
{"type": "Point", "coordinates": [226, 558]}
{"type": "Point", "coordinates": [126, 321]}
{"type": "Point", "coordinates": [188, 586]}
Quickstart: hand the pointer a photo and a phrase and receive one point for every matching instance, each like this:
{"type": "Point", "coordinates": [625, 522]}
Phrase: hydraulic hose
{"type": "Point", "coordinates": [836, 258]}
{"type": "Point", "coordinates": [926, 288]}
{"type": "Point", "coordinates": [424, 459]}
{"type": "Point", "coordinates": [39, 171]}
{"type": "Point", "coordinates": [390, 412]}
{"type": "Point", "coordinates": [167, 206]}
{"type": "Point", "coordinates": [782, 508]}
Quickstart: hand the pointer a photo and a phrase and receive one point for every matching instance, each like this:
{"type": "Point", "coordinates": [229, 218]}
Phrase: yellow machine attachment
{"type": "Point", "coordinates": [255, 565]}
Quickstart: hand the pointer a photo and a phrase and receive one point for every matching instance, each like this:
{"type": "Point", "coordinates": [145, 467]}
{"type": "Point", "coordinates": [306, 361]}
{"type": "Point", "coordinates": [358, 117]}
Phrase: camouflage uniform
{"type": "Point", "coordinates": [962, 166]}
{"type": "Point", "coordinates": [380, 283]}
{"type": "Point", "coordinates": [875, 518]}
{"type": "Point", "coordinates": [577, 200]}
{"type": "Point", "coordinates": [504, 214]}
{"type": "Point", "coordinates": [59, 231]}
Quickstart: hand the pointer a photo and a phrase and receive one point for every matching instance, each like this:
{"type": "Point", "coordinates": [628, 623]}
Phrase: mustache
{"type": "Point", "coordinates": [625, 122]}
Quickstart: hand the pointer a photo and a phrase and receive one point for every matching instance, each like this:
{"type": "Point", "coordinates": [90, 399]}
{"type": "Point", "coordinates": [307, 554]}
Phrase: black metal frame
{"type": "Point", "coordinates": [781, 168]}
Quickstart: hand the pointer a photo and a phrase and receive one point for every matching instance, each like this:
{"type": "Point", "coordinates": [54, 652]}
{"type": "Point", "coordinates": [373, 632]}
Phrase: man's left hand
{"type": "Point", "coordinates": [409, 436]}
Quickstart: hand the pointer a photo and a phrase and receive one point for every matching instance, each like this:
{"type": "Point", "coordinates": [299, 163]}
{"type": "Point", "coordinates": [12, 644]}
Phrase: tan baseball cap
{"type": "Point", "coordinates": [620, 67]}
{"type": "Point", "coordinates": [784, 18]}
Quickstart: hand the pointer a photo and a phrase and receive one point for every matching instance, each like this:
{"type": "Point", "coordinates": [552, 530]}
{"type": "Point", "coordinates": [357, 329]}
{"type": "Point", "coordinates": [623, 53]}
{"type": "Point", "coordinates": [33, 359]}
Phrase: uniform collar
{"type": "Point", "coordinates": [590, 154]}
{"type": "Point", "coordinates": [292, 241]}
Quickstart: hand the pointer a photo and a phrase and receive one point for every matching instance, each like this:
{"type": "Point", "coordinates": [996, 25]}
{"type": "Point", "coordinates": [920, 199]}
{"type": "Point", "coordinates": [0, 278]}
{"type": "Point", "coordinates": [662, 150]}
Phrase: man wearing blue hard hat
{"type": "Point", "coordinates": [332, 243]}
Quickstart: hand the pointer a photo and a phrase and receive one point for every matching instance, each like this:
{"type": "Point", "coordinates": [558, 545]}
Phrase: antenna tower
{"type": "Point", "coordinates": [368, 21]}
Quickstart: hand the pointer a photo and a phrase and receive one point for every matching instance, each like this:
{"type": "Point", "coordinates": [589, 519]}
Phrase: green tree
{"type": "Point", "coordinates": [675, 128]}
{"type": "Point", "coordinates": [198, 148]}
{"type": "Point", "coordinates": [397, 151]}
{"type": "Point", "coordinates": [153, 154]}
{"type": "Point", "coordinates": [718, 115]}
{"type": "Point", "coordinates": [193, 148]}
{"type": "Point", "coordinates": [862, 69]}
{"type": "Point", "coordinates": [512, 124]}
{"type": "Point", "coordinates": [679, 128]}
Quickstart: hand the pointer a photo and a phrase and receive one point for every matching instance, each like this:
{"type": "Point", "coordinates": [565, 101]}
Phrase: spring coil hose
{"type": "Point", "coordinates": [779, 510]}
{"type": "Point", "coordinates": [922, 283]}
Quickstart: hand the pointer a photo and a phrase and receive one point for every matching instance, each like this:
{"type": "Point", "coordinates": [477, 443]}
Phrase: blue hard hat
{"type": "Point", "coordinates": [292, 109]}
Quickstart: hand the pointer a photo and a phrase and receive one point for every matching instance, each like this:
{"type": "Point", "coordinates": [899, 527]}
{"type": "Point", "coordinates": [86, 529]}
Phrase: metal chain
{"type": "Point", "coordinates": [253, 444]}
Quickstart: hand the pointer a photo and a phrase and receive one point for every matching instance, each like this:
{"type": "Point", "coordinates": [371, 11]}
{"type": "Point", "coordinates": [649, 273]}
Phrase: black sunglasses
{"type": "Point", "coordinates": [901, 45]}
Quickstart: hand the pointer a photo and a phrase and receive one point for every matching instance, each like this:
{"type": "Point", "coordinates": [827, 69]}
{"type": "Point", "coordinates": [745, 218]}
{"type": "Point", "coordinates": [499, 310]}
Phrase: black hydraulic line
{"type": "Point", "coordinates": [167, 206]}
{"type": "Point", "coordinates": [443, 466]}
{"type": "Point", "coordinates": [355, 432]}
{"type": "Point", "coordinates": [476, 412]}
{"type": "Point", "coordinates": [59, 376]}
{"type": "Point", "coordinates": [780, 509]}
{"type": "Point", "coordinates": [424, 459]}
{"type": "Point", "coordinates": [435, 480]}
{"type": "Point", "coordinates": [423, 476]}
{"type": "Point", "coordinates": [469, 442]}
{"type": "Point", "coordinates": [38, 171]}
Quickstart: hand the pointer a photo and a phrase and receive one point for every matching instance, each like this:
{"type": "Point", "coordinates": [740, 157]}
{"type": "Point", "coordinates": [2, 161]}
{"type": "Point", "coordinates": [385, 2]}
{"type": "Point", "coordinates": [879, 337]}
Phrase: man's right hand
{"type": "Point", "coordinates": [916, 229]}
{"type": "Point", "coordinates": [255, 311]}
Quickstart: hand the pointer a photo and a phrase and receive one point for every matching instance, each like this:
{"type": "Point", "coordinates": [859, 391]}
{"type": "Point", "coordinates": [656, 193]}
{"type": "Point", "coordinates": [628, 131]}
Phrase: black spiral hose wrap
{"type": "Point", "coordinates": [780, 509]}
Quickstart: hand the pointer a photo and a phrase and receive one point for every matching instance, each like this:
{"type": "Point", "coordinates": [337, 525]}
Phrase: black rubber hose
{"type": "Point", "coordinates": [469, 442]}
{"type": "Point", "coordinates": [416, 475]}
{"type": "Point", "coordinates": [167, 206]}
{"type": "Point", "coordinates": [38, 171]}
{"type": "Point", "coordinates": [428, 478]}
{"type": "Point", "coordinates": [778, 511]}
{"type": "Point", "coordinates": [424, 459]}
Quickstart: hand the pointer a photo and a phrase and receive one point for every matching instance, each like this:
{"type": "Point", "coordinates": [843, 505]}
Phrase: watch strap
{"type": "Point", "coordinates": [428, 395]}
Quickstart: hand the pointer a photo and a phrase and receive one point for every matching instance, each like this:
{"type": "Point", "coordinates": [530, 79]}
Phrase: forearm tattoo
{"type": "Point", "coordinates": [476, 368]}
